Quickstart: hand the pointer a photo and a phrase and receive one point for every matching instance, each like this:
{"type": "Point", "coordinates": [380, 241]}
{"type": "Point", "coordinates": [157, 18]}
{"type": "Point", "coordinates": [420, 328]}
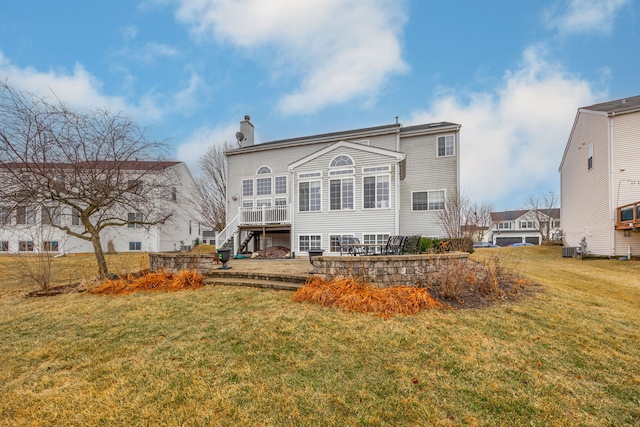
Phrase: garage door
{"type": "Point", "coordinates": [533, 240]}
{"type": "Point", "coordinates": [506, 241]}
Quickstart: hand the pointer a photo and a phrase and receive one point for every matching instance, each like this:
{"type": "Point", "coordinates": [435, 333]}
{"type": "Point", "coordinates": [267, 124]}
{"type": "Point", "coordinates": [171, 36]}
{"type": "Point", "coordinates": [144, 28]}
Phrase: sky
{"type": "Point", "coordinates": [512, 73]}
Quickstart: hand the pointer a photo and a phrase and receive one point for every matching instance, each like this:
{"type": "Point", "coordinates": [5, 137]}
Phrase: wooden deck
{"type": "Point", "coordinates": [628, 217]}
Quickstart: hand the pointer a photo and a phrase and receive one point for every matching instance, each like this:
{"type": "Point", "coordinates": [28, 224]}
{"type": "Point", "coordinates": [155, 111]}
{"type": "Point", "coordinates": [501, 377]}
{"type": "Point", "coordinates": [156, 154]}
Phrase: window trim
{"type": "Point", "coordinates": [275, 184]}
{"type": "Point", "coordinates": [300, 236]}
{"type": "Point", "coordinates": [376, 176]}
{"type": "Point", "coordinates": [429, 191]}
{"type": "Point", "coordinates": [453, 145]}
{"type": "Point", "coordinates": [309, 181]}
{"type": "Point", "coordinates": [264, 167]}
{"type": "Point", "coordinates": [350, 164]}
{"type": "Point", "coordinates": [137, 246]}
{"type": "Point", "coordinates": [342, 179]}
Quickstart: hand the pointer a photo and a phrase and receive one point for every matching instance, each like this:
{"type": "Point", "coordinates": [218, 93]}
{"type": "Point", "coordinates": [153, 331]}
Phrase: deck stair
{"type": "Point", "coordinates": [245, 242]}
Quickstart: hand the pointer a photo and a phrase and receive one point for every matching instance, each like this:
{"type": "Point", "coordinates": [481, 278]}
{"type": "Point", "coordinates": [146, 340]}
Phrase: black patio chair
{"type": "Point", "coordinates": [348, 244]}
{"type": "Point", "coordinates": [394, 245]}
{"type": "Point", "coordinates": [411, 245]}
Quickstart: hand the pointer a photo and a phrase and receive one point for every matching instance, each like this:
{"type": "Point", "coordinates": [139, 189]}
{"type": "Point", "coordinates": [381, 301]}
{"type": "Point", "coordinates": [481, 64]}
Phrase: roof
{"type": "Point", "coordinates": [624, 105]}
{"type": "Point", "coordinates": [348, 134]}
{"type": "Point", "coordinates": [513, 215]}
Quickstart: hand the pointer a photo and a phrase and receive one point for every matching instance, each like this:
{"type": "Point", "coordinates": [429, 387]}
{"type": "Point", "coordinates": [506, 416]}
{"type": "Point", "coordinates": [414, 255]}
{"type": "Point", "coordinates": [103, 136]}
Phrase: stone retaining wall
{"type": "Point", "coordinates": [176, 262]}
{"type": "Point", "coordinates": [384, 271]}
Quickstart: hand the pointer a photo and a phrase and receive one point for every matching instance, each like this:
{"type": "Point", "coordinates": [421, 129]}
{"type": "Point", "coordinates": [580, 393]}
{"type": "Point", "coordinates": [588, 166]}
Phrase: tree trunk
{"type": "Point", "coordinates": [97, 249]}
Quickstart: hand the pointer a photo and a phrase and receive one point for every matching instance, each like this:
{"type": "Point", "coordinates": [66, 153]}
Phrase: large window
{"type": "Point", "coordinates": [263, 186]}
{"type": "Point", "coordinates": [247, 187]}
{"type": "Point", "coordinates": [341, 194]}
{"type": "Point", "coordinates": [446, 146]}
{"type": "Point", "coordinates": [428, 200]}
{"type": "Point", "coordinates": [25, 215]}
{"type": "Point", "coordinates": [376, 192]}
{"type": "Point", "coordinates": [51, 215]}
{"type": "Point", "coordinates": [132, 218]}
{"type": "Point", "coordinates": [309, 195]}
{"type": "Point", "coordinates": [5, 215]}
{"type": "Point", "coordinates": [307, 243]}
{"type": "Point", "coordinates": [281, 184]}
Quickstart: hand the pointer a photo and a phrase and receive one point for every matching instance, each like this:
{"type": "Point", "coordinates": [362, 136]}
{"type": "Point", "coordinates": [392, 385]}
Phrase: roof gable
{"type": "Point", "coordinates": [365, 148]}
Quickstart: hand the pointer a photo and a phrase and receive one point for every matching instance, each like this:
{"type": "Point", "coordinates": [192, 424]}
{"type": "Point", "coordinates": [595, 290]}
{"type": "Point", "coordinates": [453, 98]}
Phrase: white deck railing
{"type": "Point", "coordinates": [264, 215]}
{"type": "Point", "coordinates": [227, 233]}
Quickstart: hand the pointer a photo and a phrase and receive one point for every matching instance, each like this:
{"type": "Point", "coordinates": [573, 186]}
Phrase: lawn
{"type": "Point", "coordinates": [242, 356]}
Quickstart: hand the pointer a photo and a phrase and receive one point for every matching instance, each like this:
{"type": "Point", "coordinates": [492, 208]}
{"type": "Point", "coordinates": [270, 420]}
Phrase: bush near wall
{"type": "Point", "coordinates": [429, 245]}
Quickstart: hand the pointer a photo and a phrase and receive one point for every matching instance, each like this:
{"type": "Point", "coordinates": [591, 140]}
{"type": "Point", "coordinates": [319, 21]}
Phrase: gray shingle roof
{"type": "Point", "coordinates": [617, 106]}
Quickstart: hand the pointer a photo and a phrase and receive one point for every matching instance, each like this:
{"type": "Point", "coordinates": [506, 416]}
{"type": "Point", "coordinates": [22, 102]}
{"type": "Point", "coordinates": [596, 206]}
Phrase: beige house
{"type": "Point", "coordinates": [600, 179]}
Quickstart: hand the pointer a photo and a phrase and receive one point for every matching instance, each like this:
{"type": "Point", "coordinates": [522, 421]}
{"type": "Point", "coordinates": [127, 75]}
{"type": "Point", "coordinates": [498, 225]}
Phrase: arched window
{"type": "Point", "coordinates": [263, 170]}
{"type": "Point", "coordinates": [341, 160]}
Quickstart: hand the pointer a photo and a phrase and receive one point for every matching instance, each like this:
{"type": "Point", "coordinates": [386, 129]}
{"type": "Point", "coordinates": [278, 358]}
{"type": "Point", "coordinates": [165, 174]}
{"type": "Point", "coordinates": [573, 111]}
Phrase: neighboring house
{"type": "Point", "coordinates": [600, 179]}
{"type": "Point", "coordinates": [305, 193]}
{"type": "Point", "coordinates": [524, 226]}
{"type": "Point", "coordinates": [25, 228]}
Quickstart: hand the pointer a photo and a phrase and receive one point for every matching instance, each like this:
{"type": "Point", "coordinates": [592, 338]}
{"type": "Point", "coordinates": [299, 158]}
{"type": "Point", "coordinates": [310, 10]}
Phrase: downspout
{"type": "Point", "coordinates": [293, 216]}
{"type": "Point", "coordinates": [396, 224]}
{"type": "Point", "coordinates": [612, 207]}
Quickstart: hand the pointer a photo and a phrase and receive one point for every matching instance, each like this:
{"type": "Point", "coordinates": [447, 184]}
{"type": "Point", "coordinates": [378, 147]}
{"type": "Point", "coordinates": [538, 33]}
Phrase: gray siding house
{"type": "Point", "coordinates": [600, 179]}
{"type": "Point", "coordinates": [305, 193]}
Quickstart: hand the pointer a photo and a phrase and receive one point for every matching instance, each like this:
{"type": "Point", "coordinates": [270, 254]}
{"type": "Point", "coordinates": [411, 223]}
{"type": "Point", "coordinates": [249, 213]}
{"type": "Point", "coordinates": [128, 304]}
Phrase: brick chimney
{"type": "Point", "coordinates": [246, 129]}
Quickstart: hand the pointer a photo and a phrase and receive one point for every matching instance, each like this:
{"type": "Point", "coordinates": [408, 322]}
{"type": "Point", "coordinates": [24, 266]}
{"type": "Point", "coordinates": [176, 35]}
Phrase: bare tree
{"type": "Point", "coordinates": [479, 218]}
{"type": "Point", "coordinates": [209, 198]}
{"type": "Point", "coordinates": [83, 171]}
{"type": "Point", "coordinates": [454, 217]}
{"type": "Point", "coordinates": [542, 209]}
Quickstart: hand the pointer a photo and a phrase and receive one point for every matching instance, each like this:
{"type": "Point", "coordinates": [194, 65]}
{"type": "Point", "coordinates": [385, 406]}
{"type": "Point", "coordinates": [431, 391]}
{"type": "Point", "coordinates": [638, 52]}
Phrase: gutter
{"type": "Point", "coordinates": [612, 207]}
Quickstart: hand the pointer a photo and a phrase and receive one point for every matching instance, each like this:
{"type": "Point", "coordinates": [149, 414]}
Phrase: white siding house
{"type": "Point", "coordinates": [600, 179]}
{"type": "Point", "coordinates": [523, 226]}
{"type": "Point", "coordinates": [304, 193]}
{"type": "Point", "coordinates": [25, 228]}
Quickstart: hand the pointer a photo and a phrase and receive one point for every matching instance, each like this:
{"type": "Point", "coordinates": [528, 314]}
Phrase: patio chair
{"type": "Point", "coordinates": [411, 245]}
{"type": "Point", "coordinates": [347, 245]}
{"type": "Point", "coordinates": [394, 245]}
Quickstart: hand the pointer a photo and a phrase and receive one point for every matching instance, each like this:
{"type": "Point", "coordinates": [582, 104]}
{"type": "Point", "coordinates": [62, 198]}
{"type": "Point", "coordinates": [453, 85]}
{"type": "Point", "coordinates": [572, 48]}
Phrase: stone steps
{"type": "Point", "coordinates": [287, 282]}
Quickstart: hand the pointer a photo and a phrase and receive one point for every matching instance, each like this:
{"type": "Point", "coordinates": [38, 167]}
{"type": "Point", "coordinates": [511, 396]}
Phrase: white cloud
{"type": "Point", "coordinates": [200, 140]}
{"type": "Point", "coordinates": [78, 89]}
{"type": "Point", "coordinates": [338, 50]}
{"type": "Point", "coordinates": [512, 140]}
{"type": "Point", "coordinates": [584, 16]}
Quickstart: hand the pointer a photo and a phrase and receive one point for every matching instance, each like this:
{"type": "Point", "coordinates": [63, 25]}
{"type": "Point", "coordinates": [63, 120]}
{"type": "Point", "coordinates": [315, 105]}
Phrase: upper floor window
{"type": "Point", "coordinates": [263, 186]}
{"type": "Point", "coordinates": [75, 217]}
{"type": "Point", "coordinates": [25, 215]}
{"type": "Point", "coordinates": [51, 215]}
{"type": "Point", "coordinates": [134, 219]}
{"type": "Point", "coordinates": [281, 184]}
{"type": "Point", "coordinates": [309, 196]}
{"type": "Point", "coordinates": [376, 192]}
{"type": "Point", "coordinates": [446, 146]}
{"type": "Point", "coordinates": [341, 160]}
{"type": "Point", "coordinates": [590, 157]}
{"type": "Point", "coordinates": [428, 200]}
{"type": "Point", "coordinates": [247, 187]}
{"type": "Point", "coordinates": [504, 226]}
{"type": "Point", "coordinates": [5, 215]}
{"type": "Point", "coordinates": [263, 170]}
{"type": "Point", "coordinates": [341, 194]}
{"type": "Point", "coordinates": [526, 224]}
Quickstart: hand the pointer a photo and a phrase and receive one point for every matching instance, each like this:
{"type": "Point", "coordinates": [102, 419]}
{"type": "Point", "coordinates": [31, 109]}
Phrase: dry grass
{"type": "Point", "coordinates": [225, 356]}
{"type": "Point", "coordinates": [349, 294]}
{"type": "Point", "coordinates": [160, 281]}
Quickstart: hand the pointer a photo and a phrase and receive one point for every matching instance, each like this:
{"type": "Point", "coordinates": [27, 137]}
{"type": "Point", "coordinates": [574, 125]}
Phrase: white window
{"type": "Point", "coordinates": [504, 226]}
{"type": "Point", "coordinates": [263, 186]}
{"type": "Point", "coordinates": [341, 194]}
{"type": "Point", "coordinates": [446, 146]}
{"type": "Point", "coordinates": [247, 187]}
{"type": "Point", "coordinates": [50, 246]}
{"type": "Point", "coordinates": [280, 201]}
{"type": "Point", "coordinates": [307, 243]}
{"type": "Point", "coordinates": [376, 192]}
{"type": "Point", "coordinates": [75, 216]}
{"type": "Point", "coordinates": [309, 175]}
{"type": "Point", "coordinates": [309, 196]}
{"type": "Point", "coordinates": [51, 215]}
{"type": "Point", "coordinates": [263, 202]}
{"type": "Point", "coordinates": [371, 169]}
{"type": "Point", "coordinates": [526, 224]}
{"type": "Point", "coordinates": [133, 217]}
{"type": "Point", "coordinates": [247, 203]}
{"type": "Point", "coordinates": [334, 241]}
{"type": "Point", "coordinates": [25, 215]}
{"type": "Point", "coordinates": [378, 239]}
{"type": "Point", "coordinates": [341, 160]}
{"type": "Point", "coordinates": [263, 170]}
{"type": "Point", "coordinates": [5, 215]}
{"type": "Point", "coordinates": [281, 184]}
{"type": "Point", "coordinates": [4, 246]}
{"type": "Point", "coordinates": [590, 157]}
{"type": "Point", "coordinates": [427, 200]}
{"type": "Point", "coordinates": [25, 246]}
{"type": "Point", "coordinates": [135, 246]}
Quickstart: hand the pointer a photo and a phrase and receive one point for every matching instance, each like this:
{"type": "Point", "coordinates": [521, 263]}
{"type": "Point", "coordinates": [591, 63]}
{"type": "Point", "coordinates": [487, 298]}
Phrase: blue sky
{"type": "Point", "coordinates": [513, 74]}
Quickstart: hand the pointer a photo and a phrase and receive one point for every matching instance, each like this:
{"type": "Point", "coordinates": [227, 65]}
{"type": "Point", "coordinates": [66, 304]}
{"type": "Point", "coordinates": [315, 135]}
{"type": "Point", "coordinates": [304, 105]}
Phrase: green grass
{"type": "Point", "coordinates": [235, 356]}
